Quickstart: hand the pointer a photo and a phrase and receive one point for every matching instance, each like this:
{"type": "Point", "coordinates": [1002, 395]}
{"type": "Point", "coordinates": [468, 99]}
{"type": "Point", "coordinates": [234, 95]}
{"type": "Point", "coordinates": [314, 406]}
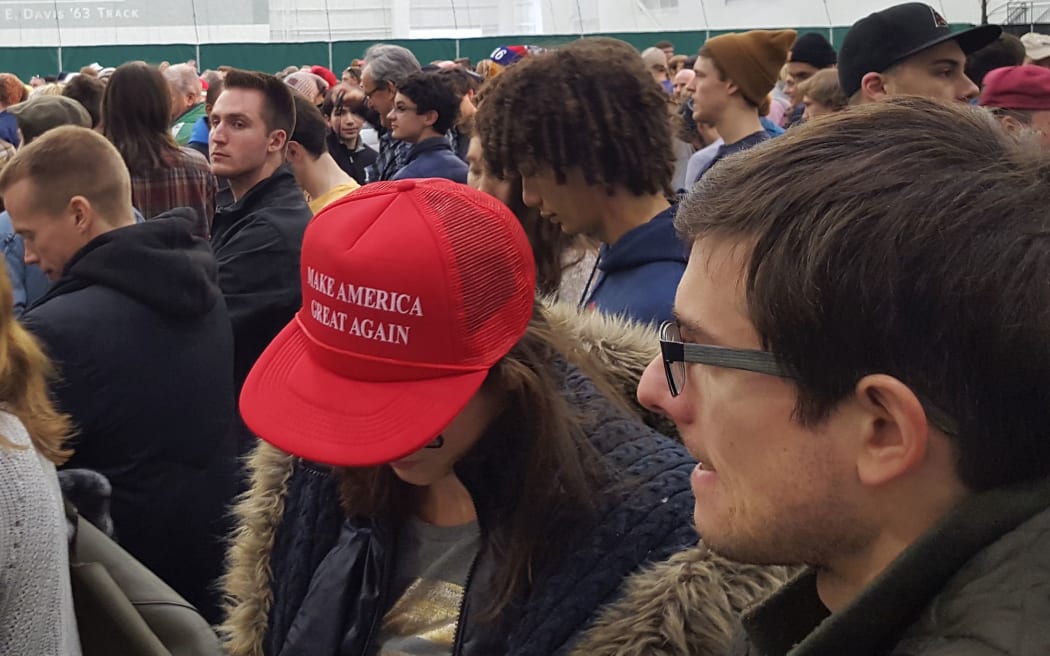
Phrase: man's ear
{"type": "Point", "coordinates": [896, 432]}
{"type": "Point", "coordinates": [873, 85]}
{"type": "Point", "coordinates": [430, 118]}
{"type": "Point", "coordinates": [278, 140]}
{"type": "Point", "coordinates": [83, 214]}
{"type": "Point", "coordinates": [294, 152]}
{"type": "Point", "coordinates": [1011, 124]}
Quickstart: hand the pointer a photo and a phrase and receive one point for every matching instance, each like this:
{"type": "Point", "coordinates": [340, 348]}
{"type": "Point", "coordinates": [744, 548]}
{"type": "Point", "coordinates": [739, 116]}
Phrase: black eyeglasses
{"type": "Point", "coordinates": [677, 353]}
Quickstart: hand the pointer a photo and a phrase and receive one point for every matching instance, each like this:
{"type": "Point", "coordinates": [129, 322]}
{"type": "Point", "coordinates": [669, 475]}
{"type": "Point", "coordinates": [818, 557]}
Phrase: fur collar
{"type": "Point", "coordinates": [687, 605]}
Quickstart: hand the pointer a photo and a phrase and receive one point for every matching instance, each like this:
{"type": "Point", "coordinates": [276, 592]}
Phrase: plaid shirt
{"type": "Point", "coordinates": [189, 182]}
{"type": "Point", "coordinates": [393, 155]}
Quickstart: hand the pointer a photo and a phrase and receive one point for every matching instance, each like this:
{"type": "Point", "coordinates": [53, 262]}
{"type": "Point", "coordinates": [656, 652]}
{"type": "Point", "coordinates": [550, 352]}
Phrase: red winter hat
{"type": "Point", "coordinates": [325, 74]}
{"type": "Point", "coordinates": [412, 291]}
{"type": "Point", "coordinates": [1017, 87]}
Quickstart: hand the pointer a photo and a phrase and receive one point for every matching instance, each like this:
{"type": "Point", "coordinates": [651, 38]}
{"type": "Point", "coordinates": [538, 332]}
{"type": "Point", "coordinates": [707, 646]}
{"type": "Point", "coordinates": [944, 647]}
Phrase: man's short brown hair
{"type": "Point", "coordinates": [824, 88]}
{"type": "Point", "coordinates": [73, 161]}
{"type": "Point", "coordinates": [278, 106]}
{"type": "Point", "coordinates": [591, 105]}
{"type": "Point", "coordinates": [924, 257]}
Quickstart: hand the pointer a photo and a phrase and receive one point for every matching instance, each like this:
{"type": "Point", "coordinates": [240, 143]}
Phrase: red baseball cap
{"type": "Point", "coordinates": [1025, 88]}
{"type": "Point", "coordinates": [412, 291]}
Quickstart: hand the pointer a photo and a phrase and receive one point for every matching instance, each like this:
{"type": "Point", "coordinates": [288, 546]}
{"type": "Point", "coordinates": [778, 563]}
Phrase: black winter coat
{"type": "Point", "coordinates": [257, 241]}
{"type": "Point", "coordinates": [354, 163]}
{"type": "Point", "coordinates": [330, 576]}
{"type": "Point", "coordinates": [139, 332]}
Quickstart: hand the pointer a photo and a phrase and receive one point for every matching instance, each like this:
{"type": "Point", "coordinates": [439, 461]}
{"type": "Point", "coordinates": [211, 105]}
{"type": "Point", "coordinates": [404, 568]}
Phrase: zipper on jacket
{"type": "Point", "coordinates": [461, 616]}
{"type": "Point", "coordinates": [384, 592]}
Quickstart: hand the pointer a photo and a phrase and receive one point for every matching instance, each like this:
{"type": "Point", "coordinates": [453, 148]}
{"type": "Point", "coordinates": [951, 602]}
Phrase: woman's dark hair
{"type": "Point", "coordinates": [592, 106]}
{"type": "Point", "coordinates": [432, 92]}
{"type": "Point", "coordinates": [556, 463]}
{"type": "Point", "coordinates": [136, 113]}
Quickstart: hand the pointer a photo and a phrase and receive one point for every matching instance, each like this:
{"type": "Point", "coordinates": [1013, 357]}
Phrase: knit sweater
{"type": "Point", "coordinates": [36, 602]}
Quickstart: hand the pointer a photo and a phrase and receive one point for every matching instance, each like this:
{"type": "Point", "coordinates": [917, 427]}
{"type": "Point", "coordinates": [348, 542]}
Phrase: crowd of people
{"type": "Point", "coordinates": [580, 350]}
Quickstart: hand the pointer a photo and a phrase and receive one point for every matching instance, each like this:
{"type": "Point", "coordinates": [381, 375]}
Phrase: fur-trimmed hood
{"type": "Point", "coordinates": [700, 613]}
{"type": "Point", "coordinates": [687, 605]}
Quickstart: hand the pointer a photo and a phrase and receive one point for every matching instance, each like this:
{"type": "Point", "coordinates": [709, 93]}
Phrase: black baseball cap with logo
{"type": "Point", "coordinates": [890, 36]}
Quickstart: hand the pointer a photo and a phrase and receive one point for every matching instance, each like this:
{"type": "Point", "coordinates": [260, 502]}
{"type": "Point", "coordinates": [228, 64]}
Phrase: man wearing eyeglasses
{"type": "Point", "coordinates": [863, 371]}
{"type": "Point", "coordinates": [386, 66]}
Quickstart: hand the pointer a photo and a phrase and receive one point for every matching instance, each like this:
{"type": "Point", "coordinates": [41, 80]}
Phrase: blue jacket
{"type": "Point", "coordinates": [640, 273]}
{"type": "Point", "coordinates": [28, 282]}
{"type": "Point", "coordinates": [200, 136]}
{"type": "Point", "coordinates": [433, 158]}
{"type": "Point", "coordinates": [9, 128]}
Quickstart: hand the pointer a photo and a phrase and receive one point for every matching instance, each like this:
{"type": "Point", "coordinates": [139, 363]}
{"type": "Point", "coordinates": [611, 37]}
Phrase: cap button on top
{"type": "Point", "coordinates": [405, 185]}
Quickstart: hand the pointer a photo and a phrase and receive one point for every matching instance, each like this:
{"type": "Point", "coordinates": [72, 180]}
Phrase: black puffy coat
{"type": "Point", "coordinates": [138, 330]}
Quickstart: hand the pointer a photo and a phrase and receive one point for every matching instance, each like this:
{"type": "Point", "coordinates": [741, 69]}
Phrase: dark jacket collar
{"type": "Point", "coordinates": [877, 619]}
{"type": "Point", "coordinates": [431, 145]}
{"type": "Point", "coordinates": [653, 241]}
{"type": "Point", "coordinates": [276, 193]}
{"type": "Point", "coordinates": [281, 182]}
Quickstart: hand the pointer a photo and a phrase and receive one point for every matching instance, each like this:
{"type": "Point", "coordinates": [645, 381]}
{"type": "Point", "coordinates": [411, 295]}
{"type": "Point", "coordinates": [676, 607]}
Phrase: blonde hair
{"type": "Point", "coordinates": [49, 89]}
{"type": "Point", "coordinates": [24, 374]}
{"type": "Point", "coordinates": [485, 69]}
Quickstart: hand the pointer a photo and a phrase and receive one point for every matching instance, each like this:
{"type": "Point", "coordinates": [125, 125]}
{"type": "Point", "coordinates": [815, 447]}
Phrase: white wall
{"type": "Point", "coordinates": [647, 15]}
{"type": "Point", "coordinates": [88, 22]}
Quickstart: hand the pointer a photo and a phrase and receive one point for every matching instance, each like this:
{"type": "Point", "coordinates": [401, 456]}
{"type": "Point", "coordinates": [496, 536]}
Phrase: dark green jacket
{"type": "Point", "coordinates": [978, 584]}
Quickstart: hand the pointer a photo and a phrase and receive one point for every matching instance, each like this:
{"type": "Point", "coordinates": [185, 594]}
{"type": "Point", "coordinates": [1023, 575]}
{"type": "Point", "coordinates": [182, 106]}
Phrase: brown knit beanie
{"type": "Point", "coordinates": [752, 60]}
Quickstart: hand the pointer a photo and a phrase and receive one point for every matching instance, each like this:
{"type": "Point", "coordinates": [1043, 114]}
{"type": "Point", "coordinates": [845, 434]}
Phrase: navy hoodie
{"type": "Point", "coordinates": [640, 272]}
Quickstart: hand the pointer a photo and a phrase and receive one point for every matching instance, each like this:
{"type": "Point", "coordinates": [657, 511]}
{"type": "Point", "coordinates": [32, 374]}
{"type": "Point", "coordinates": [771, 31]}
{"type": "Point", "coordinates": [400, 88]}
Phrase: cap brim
{"type": "Point", "coordinates": [297, 405]}
{"type": "Point", "coordinates": [969, 41]}
{"type": "Point", "coordinates": [1038, 53]}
